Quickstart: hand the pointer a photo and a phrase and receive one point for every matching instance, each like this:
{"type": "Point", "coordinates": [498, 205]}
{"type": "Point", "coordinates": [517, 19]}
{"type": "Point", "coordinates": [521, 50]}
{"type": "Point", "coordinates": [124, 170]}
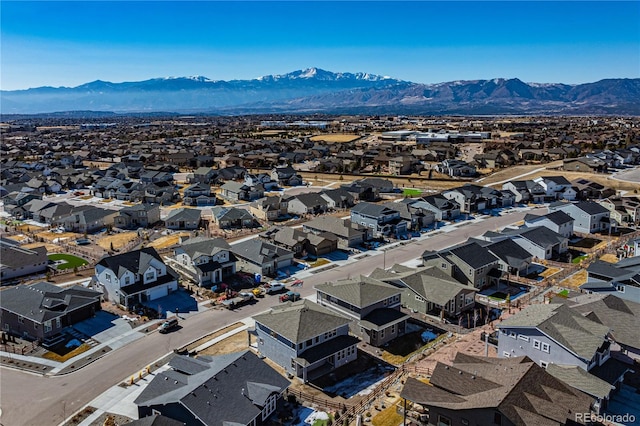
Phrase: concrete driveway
{"type": "Point", "coordinates": [104, 327]}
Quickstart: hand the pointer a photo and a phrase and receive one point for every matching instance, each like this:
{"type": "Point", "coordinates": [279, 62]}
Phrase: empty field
{"type": "Point", "coordinates": [336, 138]}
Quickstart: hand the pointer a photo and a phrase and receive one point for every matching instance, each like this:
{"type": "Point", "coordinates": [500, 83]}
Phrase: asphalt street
{"type": "Point", "coordinates": [31, 399]}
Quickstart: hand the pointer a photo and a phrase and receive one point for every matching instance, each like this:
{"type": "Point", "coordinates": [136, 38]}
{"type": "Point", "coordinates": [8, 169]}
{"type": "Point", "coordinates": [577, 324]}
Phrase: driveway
{"type": "Point", "coordinates": [167, 305]}
{"type": "Point", "coordinates": [104, 326]}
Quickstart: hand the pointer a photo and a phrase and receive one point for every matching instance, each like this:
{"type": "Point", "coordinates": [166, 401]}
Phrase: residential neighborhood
{"type": "Point", "coordinates": [241, 270]}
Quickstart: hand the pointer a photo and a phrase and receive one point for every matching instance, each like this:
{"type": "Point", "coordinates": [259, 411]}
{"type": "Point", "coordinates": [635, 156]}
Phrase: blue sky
{"type": "Point", "coordinates": [52, 43]}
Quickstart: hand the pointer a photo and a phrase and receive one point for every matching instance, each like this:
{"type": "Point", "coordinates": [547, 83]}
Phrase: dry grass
{"type": "Point", "coordinates": [235, 343]}
{"type": "Point", "coordinates": [118, 240]}
{"type": "Point", "coordinates": [387, 417]}
{"type": "Point", "coordinates": [574, 280]}
{"type": "Point", "coordinates": [50, 236]}
{"type": "Point", "coordinates": [609, 257]}
{"type": "Point", "coordinates": [211, 336]}
{"type": "Point", "coordinates": [549, 272]}
{"type": "Point", "coordinates": [51, 248]}
{"type": "Point", "coordinates": [167, 241]}
{"type": "Point", "coordinates": [337, 138]}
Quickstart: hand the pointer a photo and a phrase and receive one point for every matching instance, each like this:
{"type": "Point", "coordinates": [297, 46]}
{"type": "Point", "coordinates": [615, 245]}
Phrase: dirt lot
{"type": "Point", "coordinates": [335, 138]}
{"type": "Point", "coordinates": [574, 280]}
{"type": "Point", "coordinates": [64, 236]}
{"type": "Point", "coordinates": [118, 240]}
{"type": "Point", "coordinates": [235, 343]}
{"type": "Point", "coordinates": [167, 240]}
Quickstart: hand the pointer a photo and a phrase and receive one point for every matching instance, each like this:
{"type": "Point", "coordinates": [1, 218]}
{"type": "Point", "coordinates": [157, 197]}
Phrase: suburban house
{"type": "Point", "coordinates": [540, 241]}
{"type": "Point", "coordinates": [469, 263]}
{"type": "Point", "coordinates": [232, 389]}
{"type": "Point", "coordinates": [429, 291]}
{"type": "Point", "coordinates": [588, 189]}
{"type": "Point", "coordinates": [44, 211]}
{"type": "Point", "coordinates": [301, 242]}
{"type": "Point", "coordinates": [526, 191]}
{"type": "Point", "coordinates": [240, 191]}
{"type": "Point", "coordinates": [554, 334]}
{"type": "Point", "coordinates": [588, 216]}
{"type": "Point", "coordinates": [373, 306]}
{"type": "Point", "coordinates": [584, 164]}
{"type": "Point", "coordinates": [621, 279]}
{"type": "Point", "coordinates": [618, 211]}
{"type": "Point", "coordinates": [204, 175]}
{"type": "Point", "coordinates": [493, 391]}
{"type": "Point", "coordinates": [349, 234]}
{"type": "Point", "coordinates": [453, 167]}
{"type": "Point", "coordinates": [269, 208]}
{"type": "Point", "coordinates": [416, 217]}
{"type": "Point", "coordinates": [232, 217]}
{"type": "Point", "coordinates": [382, 220]}
{"type": "Point", "coordinates": [556, 188]}
{"type": "Point", "coordinates": [206, 261]}
{"type": "Point", "coordinates": [287, 176]}
{"type": "Point", "coordinates": [260, 257]}
{"type": "Point", "coordinates": [87, 219]}
{"type": "Point", "coordinates": [16, 261]}
{"type": "Point", "coordinates": [338, 198]}
{"type": "Point", "coordinates": [138, 216]}
{"type": "Point", "coordinates": [135, 277]}
{"type": "Point", "coordinates": [304, 338]}
{"type": "Point", "coordinates": [443, 208]}
{"type": "Point", "coordinates": [308, 203]}
{"type": "Point", "coordinates": [199, 194]}
{"type": "Point", "coordinates": [40, 311]}
{"type": "Point", "coordinates": [473, 198]}
{"type": "Point", "coordinates": [262, 179]}
{"type": "Point", "coordinates": [512, 258]}
{"type": "Point", "coordinates": [183, 219]}
{"type": "Point", "coordinates": [557, 221]}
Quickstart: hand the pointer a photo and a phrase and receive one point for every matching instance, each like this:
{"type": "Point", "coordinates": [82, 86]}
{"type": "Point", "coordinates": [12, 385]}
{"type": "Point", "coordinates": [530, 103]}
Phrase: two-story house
{"type": "Point", "coordinates": [135, 277]}
{"type": "Point", "coordinates": [429, 291]}
{"type": "Point", "coordinates": [206, 261]}
{"type": "Point", "coordinates": [138, 216]}
{"type": "Point", "coordinates": [621, 278]}
{"type": "Point", "coordinates": [240, 191]}
{"type": "Point", "coordinates": [260, 257]}
{"type": "Point", "coordinates": [304, 338]}
{"type": "Point", "coordinates": [469, 263]}
{"type": "Point", "coordinates": [588, 216]}
{"type": "Point", "coordinates": [443, 208]}
{"type": "Point", "coordinates": [269, 208]}
{"type": "Point", "coordinates": [198, 194]}
{"type": "Point", "coordinates": [309, 203]}
{"type": "Point", "coordinates": [382, 220]}
{"type": "Point", "coordinates": [526, 191]}
{"type": "Point", "coordinates": [349, 234]}
{"type": "Point", "coordinates": [286, 175]}
{"type": "Point", "coordinates": [557, 221]}
{"type": "Point", "coordinates": [373, 306]}
{"type": "Point", "coordinates": [540, 241]}
{"type": "Point", "coordinates": [557, 188]}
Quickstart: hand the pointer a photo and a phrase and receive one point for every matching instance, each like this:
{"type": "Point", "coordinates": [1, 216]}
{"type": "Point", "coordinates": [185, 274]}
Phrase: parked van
{"type": "Point", "coordinates": [168, 325]}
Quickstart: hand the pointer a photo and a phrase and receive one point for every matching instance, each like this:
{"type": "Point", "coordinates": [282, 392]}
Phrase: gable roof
{"type": "Point", "coordinates": [509, 252]}
{"type": "Point", "coordinates": [518, 388]}
{"type": "Point", "coordinates": [259, 251]}
{"type": "Point", "coordinates": [360, 292]}
{"type": "Point", "coordinates": [473, 255]}
{"type": "Point", "coordinates": [217, 390]}
{"type": "Point", "coordinates": [184, 214]}
{"type": "Point", "coordinates": [301, 320]}
{"type": "Point", "coordinates": [198, 246]}
{"type": "Point", "coordinates": [580, 335]}
{"type": "Point", "coordinates": [136, 261]}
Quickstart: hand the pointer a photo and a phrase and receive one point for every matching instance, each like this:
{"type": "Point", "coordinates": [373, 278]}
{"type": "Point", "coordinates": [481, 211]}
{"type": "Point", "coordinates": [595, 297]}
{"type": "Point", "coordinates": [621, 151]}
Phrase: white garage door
{"type": "Point", "coordinates": [158, 292]}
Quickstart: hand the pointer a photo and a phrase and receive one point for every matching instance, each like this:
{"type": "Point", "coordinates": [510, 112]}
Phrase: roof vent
{"type": "Point", "coordinates": [175, 382]}
{"type": "Point", "coordinates": [460, 372]}
{"type": "Point", "coordinates": [473, 377]}
{"type": "Point", "coordinates": [166, 378]}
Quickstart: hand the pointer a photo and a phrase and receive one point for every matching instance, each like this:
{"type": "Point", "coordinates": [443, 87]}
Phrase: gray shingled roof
{"type": "Point", "coordinates": [519, 389]}
{"type": "Point", "coordinates": [580, 379]}
{"type": "Point", "coordinates": [258, 251]}
{"type": "Point", "coordinates": [510, 252]}
{"type": "Point", "coordinates": [564, 325]}
{"type": "Point", "coordinates": [300, 321]}
{"type": "Point", "coordinates": [360, 292]}
{"type": "Point", "coordinates": [198, 246]}
{"type": "Point", "coordinates": [474, 255]}
{"type": "Point", "coordinates": [136, 261]}
{"type": "Point", "coordinates": [232, 388]}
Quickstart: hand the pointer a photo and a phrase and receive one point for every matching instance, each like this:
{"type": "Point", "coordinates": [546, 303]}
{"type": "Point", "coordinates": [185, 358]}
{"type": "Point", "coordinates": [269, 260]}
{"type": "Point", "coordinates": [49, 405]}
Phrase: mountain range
{"type": "Point", "coordinates": [314, 90]}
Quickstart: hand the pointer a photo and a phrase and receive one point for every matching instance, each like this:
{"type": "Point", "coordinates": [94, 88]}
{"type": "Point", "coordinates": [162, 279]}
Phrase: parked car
{"type": "Point", "coordinates": [169, 325]}
{"type": "Point", "coordinates": [242, 298]}
{"type": "Point", "coordinates": [83, 241]}
{"type": "Point", "coordinates": [290, 296]}
{"type": "Point", "coordinates": [274, 287]}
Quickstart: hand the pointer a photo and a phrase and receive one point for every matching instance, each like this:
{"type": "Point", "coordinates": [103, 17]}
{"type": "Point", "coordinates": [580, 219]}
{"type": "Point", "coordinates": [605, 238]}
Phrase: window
{"type": "Point", "coordinates": [506, 354]}
{"type": "Point", "coordinates": [20, 320]}
{"type": "Point", "coordinates": [523, 337]}
{"type": "Point", "coordinates": [393, 328]}
{"type": "Point", "coordinates": [309, 342]}
{"type": "Point", "coordinates": [536, 343]}
{"type": "Point", "coordinates": [544, 364]}
{"type": "Point", "coordinates": [545, 347]}
{"type": "Point", "coordinates": [512, 334]}
{"type": "Point", "coordinates": [620, 288]}
{"type": "Point", "coordinates": [107, 277]}
{"type": "Point", "coordinates": [444, 421]}
{"type": "Point", "coordinates": [497, 418]}
{"type": "Point", "coordinates": [419, 299]}
{"type": "Point", "coordinates": [47, 326]}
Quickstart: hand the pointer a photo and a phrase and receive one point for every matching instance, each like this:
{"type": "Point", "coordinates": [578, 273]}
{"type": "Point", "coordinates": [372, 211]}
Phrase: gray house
{"type": "Point", "coordinates": [469, 263]}
{"type": "Point", "coordinates": [135, 277]}
{"type": "Point", "coordinates": [138, 216]}
{"type": "Point", "coordinates": [206, 261]}
{"type": "Point", "coordinates": [260, 257]}
{"type": "Point", "coordinates": [588, 216]}
{"type": "Point", "coordinates": [373, 306]}
{"type": "Point", "coordinates": [429, 291]}
{"type": "Point", "coordinates": [232, 389]}
{"type": "Point", "coordinates": [16, 261]}
{"type": "Point", "coordinates": [513, 259]}
{"type": "Point", "coordinates": [305, 339]}
{"type": "Point", "coordinates": [557, 221]}
{"type": "Point", "coordinates": [40, 311]}
{"type": "Point", "coordinates": [232, 217]}
{"type": "Point", "coordinates": [443, 208]}
{"type": "Point", "coordinates": [348, 233]}
{"type": "Point", "coordinates": [554, 334]}
{"type": "Point", "coordinates": [540, 241]}
{"type": "Point", "coordinates": [526, 191]}
{"type": "Point", "coordinates": [621, 279]}
{"type": "Point", "coordinates": [380, 219]}
{"type": "Point", "coordinates": [183, 218]}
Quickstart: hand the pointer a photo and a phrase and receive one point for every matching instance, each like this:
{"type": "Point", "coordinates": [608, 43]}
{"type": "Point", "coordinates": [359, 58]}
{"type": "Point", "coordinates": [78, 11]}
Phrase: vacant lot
{"type": "Point", "coordinates": [117, 241]}
{"type": "Point", "coordinates": [335, 138]}
{"type": "Point", "coordinates": [235, 343]}
{"type": "Point", "coordinates": [63, 236]}
{"type": "Point", "coordinates": [167, 240]}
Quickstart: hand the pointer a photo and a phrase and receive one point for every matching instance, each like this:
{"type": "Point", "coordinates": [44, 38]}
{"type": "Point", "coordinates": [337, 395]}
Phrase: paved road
{"type": "Point", "coordinates": [29, 399]}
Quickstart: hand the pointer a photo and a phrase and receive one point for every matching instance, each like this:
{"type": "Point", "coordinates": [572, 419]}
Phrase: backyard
{"type": "Point", "coordinates": [66, 261]}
